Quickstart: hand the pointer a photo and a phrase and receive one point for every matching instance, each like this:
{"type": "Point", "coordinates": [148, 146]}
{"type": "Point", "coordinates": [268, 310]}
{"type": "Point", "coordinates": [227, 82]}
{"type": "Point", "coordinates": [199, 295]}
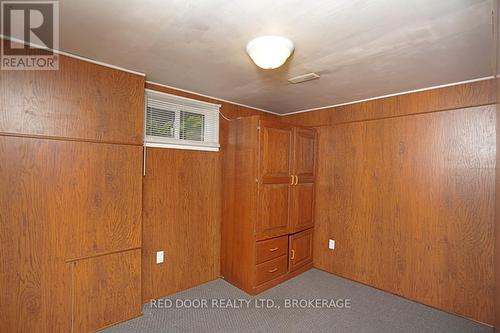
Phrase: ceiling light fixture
{"type": "Point", "coordinates": [269, 52]}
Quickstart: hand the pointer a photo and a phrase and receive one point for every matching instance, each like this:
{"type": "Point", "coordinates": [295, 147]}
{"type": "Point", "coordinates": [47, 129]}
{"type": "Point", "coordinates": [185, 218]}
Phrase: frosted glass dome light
{"type": "Point", "coordinates": [269, 52]}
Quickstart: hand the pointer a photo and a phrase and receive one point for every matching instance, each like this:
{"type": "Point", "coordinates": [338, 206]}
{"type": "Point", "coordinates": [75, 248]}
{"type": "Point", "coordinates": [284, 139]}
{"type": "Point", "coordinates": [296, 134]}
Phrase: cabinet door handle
{"type": "Point", "coordinates": [296, 180]}
{"type": "Point", "coordinates": [273, 270]}
{"type": "Point", "coordinates": [292, 256]}
{"type": "Point", "coordinates": [292, 179]}
{"type": "Point", "coordinates": [273, 249]}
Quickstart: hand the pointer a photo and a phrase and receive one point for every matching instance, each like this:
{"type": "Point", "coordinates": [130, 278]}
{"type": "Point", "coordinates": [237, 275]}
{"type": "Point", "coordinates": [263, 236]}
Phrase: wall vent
{"type": "Point", "coordinates": [303, 78]}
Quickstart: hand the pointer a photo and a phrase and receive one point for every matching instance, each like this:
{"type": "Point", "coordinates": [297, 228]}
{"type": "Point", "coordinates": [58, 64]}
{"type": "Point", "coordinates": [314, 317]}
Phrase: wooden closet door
{"type": "Point", "coordinates": [302, 206]}
{"type": "Point", "coordinates": [304, 167]}
{"type": "Point", "coordinates": [304, 154]}
{"type": "Point", "coordinates": [275, 166]}
{"type": "Point", "coordinates": [301, 249]}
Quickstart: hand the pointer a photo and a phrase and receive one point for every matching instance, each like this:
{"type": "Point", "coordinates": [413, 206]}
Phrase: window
{"type": "Point", "coordinates": [192, 126]}
{"type": "Point", "coordinates": [177, 122]}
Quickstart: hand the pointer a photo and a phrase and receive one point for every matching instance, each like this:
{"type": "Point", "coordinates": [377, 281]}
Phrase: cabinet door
{"type": "Point", "coordinates": [275, 152]}
{"type": "Point", "coordinates": [304, 167]}
{"type": "Point", "coordinates": [302, 206]}
{"type": "Point", "coordinates": [275, 166]}
{"type": "Point", "coordinates": [273, 210]}
{"type": "Point", "coordinates": [300, 249]}
{"type": "Point", "coordinates": [304, 154]}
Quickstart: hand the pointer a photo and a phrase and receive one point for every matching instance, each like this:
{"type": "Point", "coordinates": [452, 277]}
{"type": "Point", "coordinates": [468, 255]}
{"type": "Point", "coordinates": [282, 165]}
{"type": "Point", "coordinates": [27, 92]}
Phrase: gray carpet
{"type": "Point", "coordinates": [370, 310]}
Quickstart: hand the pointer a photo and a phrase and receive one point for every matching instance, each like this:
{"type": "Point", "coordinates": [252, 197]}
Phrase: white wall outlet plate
{"type": "Point", "coordinates": [159, 257]}
{"type": "Point", "coordinates": [331, 244]}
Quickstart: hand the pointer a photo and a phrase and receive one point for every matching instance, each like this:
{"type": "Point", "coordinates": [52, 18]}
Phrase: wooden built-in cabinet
{"type": "Point", "coordinates": [268, 216]}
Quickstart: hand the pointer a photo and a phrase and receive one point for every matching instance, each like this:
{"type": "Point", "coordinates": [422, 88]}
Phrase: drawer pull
{"type": "Point", "coordinates": [273, 270]}
{"type": "Point", "coordinates": [273, 249]}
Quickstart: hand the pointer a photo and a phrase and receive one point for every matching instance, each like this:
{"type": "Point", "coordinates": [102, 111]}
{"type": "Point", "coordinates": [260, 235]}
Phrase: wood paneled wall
{"type": "Point", "coordinates": [496, 12]}
{"type": "Point", "coordinates": [108, 290]}
{"type": "Point", "coordinates": [408, 194]}
{"type": "Point", "coordinates": [80, 101]}
{"type": "Point", "coordinates": [497, 197]}
{"type": "Point", "coordinates": [181, 214]}
{"type": "Point", "coordinates": [182, 210]}
{"type": "Point", "coordinates": [70, 197]}
{"type": "Point", "coordinates": [449, 98]}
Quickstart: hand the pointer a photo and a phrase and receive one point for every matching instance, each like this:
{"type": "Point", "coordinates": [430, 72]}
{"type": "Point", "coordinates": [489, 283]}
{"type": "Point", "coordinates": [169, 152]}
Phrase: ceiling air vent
{"type": "Point", "coordinates": [303, 78]}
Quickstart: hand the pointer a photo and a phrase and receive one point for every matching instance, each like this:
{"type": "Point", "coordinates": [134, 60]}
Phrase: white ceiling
{"type": "Point", "coordinates": [361, 48]}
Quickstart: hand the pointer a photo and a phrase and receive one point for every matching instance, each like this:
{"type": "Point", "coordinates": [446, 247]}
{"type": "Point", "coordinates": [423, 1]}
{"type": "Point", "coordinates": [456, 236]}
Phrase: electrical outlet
{"type": "Point", "coordinates": [159, 257]}
{"type": "Point", "coordinates": [331, 244]}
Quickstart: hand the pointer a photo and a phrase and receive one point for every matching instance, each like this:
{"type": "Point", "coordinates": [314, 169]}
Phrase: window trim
{"type": "Point", "coordinates": [209, 110]}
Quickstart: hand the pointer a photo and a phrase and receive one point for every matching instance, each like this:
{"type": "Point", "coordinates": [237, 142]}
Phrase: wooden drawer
{"type": "Point", "coordinates": [271, 269]}
{"type": "Point", "coordinates": [270, 249]}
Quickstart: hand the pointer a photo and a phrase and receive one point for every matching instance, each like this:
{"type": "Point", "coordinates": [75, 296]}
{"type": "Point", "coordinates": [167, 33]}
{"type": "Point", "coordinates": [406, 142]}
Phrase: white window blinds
{"type": "Point", "coordinates": [177, 122]}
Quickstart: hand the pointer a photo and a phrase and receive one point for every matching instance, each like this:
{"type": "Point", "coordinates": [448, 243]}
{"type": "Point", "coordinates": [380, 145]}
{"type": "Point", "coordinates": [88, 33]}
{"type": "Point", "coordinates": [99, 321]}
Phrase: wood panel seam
{"type": "Point", "coordinates": [403, 115]}
{"type": "Point", "coordinates": [58, 138]}
{"type": "Point", "coordinates": [102, 254]}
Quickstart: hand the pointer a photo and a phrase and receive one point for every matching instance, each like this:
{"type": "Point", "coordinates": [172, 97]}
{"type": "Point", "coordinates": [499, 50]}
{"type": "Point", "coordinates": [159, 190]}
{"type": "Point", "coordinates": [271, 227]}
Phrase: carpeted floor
{"type": "Point", "coordinates": [370, 310]}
